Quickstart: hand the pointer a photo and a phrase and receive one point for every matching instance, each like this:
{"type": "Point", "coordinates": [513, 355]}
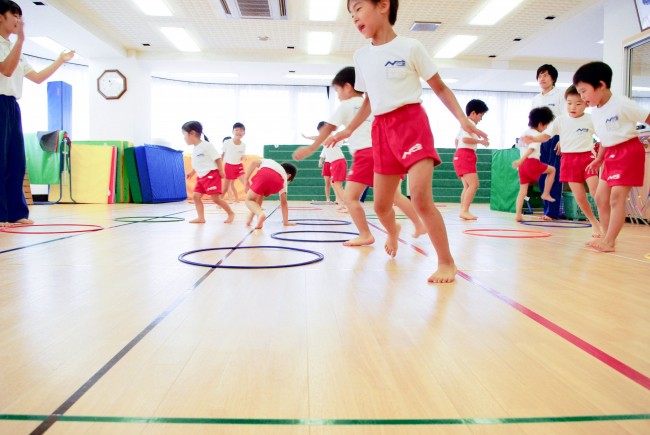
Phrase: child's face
{"type": "Point", "coordinates": [340, 92]}
{"type": "Point", "coordinates": [590, 95]}
{"type": "Point", "coordinates": [545, 80]}
{"type": "Point", "coordinates": [367, 16]}
{"type": "Point", "coordinates": [8, 22]}
{"type": "Point", "coordinates": [190, 137]}
{"type": "Point", "coordinates": [476, 117]}
{"type": "Point", "coordinates": [238, 132]}
{"type": "Point", "coordinates": [575, 106]}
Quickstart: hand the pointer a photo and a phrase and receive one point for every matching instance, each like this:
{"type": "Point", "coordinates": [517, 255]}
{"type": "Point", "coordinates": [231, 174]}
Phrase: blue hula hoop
{"type": "Point", "coordinates": [275, 236]}
{"type": "Point", "coordinates": [318, 255]}
{"type": "Point", "coordinates": [557, 224]}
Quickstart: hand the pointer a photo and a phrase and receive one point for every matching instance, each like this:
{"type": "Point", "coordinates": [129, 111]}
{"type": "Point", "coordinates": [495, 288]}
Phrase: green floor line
{"type": "Point", "coordinates": [326, 422]}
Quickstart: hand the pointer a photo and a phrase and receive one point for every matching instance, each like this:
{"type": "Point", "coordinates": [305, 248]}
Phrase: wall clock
{"type": "Point", "coordinates": [111, 84]}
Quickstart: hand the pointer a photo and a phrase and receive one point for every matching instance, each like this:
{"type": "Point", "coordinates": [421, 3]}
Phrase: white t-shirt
{"type": "Point", "coordinates": [332, 154]}
{"type": "Point", "coordinates": [615, 122]}
{"type": "Point", "coordinates": [360, 138]}
{"type": "Point", "coordinates": [232, 153]}
{"type": "Point", "coordinates": [12, 86]}
{"type": "Point", "coordinates": [535, 146]}
{"type": "Point", "coordinates": [462, 134]}
{"type": "Point", "coordinates": [554, 100]}
{"type": "Point", "coordinates": [272, 164]}
{"type": "Point", "coordinates": [390, 73]}
{"type": "Point", "coordinates": [204, 156]}
{"type": "Point", "coordinates": [576, 134]}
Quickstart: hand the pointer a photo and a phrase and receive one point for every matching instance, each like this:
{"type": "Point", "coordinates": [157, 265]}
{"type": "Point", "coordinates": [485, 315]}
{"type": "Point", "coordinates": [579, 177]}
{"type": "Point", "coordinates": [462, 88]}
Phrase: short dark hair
{"type": "Point", "coordinates": [476, 106]}
{"type": "Point", "coordinates": [238, 125]}
{"type": "Point", "coordinates": [593, 73]}
{"type": "Point", "coordinates": [320, 124]}
{"type": "Point", "coordinates": [290, 169]}
{"type": "Point", "coordinates": [346, 75]}
{"type": "Point", "coordinates": [226, 138]}
{"type": "Point", "coordinates": [196, 126]}
{"type": "Point", "coordinates": [9, 6]}
{"type": "Point", "coordinates": [539, 115]}
{"type": "Point", "coordinates": [392, 13]}
{"type": "Point", "coordinates": [571, 90]}
{"type": "Point", "coordinates": [550, 69]}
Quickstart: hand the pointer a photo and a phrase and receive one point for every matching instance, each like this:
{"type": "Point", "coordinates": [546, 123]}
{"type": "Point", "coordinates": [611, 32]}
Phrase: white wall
{"type": "Point", "coordinates": [621, 23]}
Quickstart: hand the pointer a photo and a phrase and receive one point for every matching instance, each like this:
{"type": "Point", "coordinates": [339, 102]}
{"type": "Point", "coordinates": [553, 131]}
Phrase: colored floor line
{"type": "Point", "coordinates": [326, 422]}
{"type": "Point", "coordinates": [592, 350]}
{"type": "Point", "coordinates": [59, 412]}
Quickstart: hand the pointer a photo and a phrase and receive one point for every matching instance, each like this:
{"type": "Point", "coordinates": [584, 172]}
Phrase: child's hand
{"type": "Point", "coordinates": [558, 149]}
{"type": "Point", "coordinates": [485, 142]}
{"type": "Point", "coordinates": [302, 153]}
{"type": "Point", "coordinates": [188, 176]}
{"type": "Point", "coordinates": [338, 137]}
{"type": "Point", "coordinates": [66, 56]}
{"type": "Point", "coordinates": [516, 164]}
{"type": "Point", "coordinates": [593, 167]}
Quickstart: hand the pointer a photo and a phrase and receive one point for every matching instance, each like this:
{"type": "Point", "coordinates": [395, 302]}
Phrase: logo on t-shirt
{"type": "Point", "coordinates": [582, 130]}
{"type": "Point", "coordinates": [395, 63]}
{"type": "Point", "coordinates": [395, 69]}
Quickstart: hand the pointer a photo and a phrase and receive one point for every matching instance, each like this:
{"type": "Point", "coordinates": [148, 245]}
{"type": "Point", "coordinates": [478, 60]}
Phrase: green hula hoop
{"type": "Point", "coordinates": [149, 219]}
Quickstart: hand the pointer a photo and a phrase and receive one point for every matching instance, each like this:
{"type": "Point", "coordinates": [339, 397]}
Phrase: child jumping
{"type": "Point", "coordinates": [389, 71]}
{"type": "Point", "coordinates": [271, 178]}
{"type": "Point", "coordinates": [622, 152]}
{"type": "Point", "coordinates": [207, 164]}
{"type": "Point", "coordinates": [530, 168]}
{"type": "Point", "coordinates": [465, 157]}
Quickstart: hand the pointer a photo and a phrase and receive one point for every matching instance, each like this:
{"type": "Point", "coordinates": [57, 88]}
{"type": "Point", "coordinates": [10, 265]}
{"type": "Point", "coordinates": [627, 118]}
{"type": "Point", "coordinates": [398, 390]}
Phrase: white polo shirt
{"type": "Point", "coordinates": [576, 134]}
{"type": "Point", "coordinates": [345, 113]}
{"type": "Point", "coordinates": [463, 134]}
{"type": "Point", "coordinates": [204, 156]}
{"type": "Point", "coordinates": [535, 146]}
{"type": "Point", "coordinates": [615, 122]}
{"type": "Point", "coordinates": [12, 86]}
{"type": "Point", "coordinates": [553, 99]}
{"type": "Point", "coordinates": [232, 153]}
{"type": "Point", "coordinates": [332, 154]}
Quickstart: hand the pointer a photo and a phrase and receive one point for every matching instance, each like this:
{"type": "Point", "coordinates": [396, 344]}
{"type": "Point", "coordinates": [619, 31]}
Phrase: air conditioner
{"type": "Point", "coordinates": [255, 9]}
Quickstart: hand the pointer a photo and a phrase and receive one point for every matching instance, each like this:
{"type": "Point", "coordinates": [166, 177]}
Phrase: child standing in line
{"type": "Point", "coordinates": [13, 207]}
{"type": "Point", "coordinates": [621, 151]}
{"type": "Point", "coordinates": [233, 190]}
{"type": "Point", "coordinates": [389, 71]}
{"type": "Point", "coordinates": [334, 166]}
{"type": "Point", "coordinates": [271, 178]}
{"type": "Point", "coordinates": [465, 157]}
{"type": "Point", "coordinates": [234, 153]}
{"type": "Point", "coordinates": [530, 168]}
{"type": "Point", "coordinates": [576, 144]}
{"type": "Point", "coordinates": [326, 171]}
{"type": "Point", "coordinates": [361, 174]}
{"type": "Point", "coordinates": [206, 163]}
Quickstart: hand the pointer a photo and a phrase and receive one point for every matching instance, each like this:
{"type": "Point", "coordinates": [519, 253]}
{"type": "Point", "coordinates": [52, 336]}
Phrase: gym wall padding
{"type": "Point", "coordinates": [43, 167]}
{"type": "Point", "coordinates": [131, 169]}
{"type": "Point", "coordinates": [505, 180]}
{"type": "Point", "coordinates": [92, 176]}
{"type": "Point", "coordinates": [161, 173]}
{"type": "Point", "coordinates": [59, 106]}
{"type": "Point", "coordinates": [122, 193]}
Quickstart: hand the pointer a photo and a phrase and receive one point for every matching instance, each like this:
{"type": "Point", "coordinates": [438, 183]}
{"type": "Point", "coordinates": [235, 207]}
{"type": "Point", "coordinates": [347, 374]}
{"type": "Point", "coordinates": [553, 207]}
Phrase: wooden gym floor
{"type": "Point", "coordinates": [107, 332]}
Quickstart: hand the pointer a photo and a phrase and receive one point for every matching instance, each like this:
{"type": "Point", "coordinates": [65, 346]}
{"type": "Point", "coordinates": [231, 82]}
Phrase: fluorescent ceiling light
{"type": "Point", "coordinates": [557, 84]}
{"type": "Point", "coordinates": [324, 10]}
{"type": "Point", "coordinates": [310, 76]}
{"type": "Point", "coordinates": [48, 43]}
{"type": "Point", "coordinates": [424, 26]}
{"type": "Point", "coordinates": [454, 46]}
{"type": "Point", "coordinates": [494, 11]}
{"type": "Point", "coordinates": [602, 41]}
{"type": "Point", "coordinates": [319, 42]}
{"type": "Point", "coordinates": [180, 38]}
{"type": "Point", "coordinates": [154, 8]}
{"type": "Point", "coordinates": [214, 75]}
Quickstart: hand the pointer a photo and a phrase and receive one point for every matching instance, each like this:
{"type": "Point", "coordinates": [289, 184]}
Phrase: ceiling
{"type": "Point", "coordinates": [117, 29]}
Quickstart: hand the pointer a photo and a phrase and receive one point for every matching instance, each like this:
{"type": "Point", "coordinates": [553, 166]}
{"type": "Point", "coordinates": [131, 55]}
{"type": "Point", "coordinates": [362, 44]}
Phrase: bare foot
{"type": "Point", "coordinates": [231, 217]}
{"type": "Point", "coordinates": [467, 216]}
{"type": "Point", "coordinates": [598, 232]}
{"type": "Point", "coordinates": [419, 230]}
{"type": "Point", "coordinates": [360, 241]}
{"type": "Point", "coordinates": [602, 245]}
{"type": "Point", "coordinates": [249, 219]}
{"type": "Point", "coordinates": [393, 241]}
{"type": "Point", "coordinates": [260, 221]}
{"type": "Point", "coordinates": [24, 221]}
{"type": "Point", "coordinates": [548, 198]}
{"type": "Point", "coordinates": [197, 221]}
{"type": "Point", "coordinates": [519, 218]}
{"type": "Point", "coordinates": [545, 218]}
{"type": "Point", "coordinates": [445, 273]}
{"type": "Point", "coordinates": [4, 224]}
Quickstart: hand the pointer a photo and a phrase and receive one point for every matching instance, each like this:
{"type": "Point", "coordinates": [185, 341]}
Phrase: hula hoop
{"type": "Point", "coordinates": [318, 256]}
{"type": "Point", "coordinates": [275, 236]}
{"type": "Point", "coordinates": [327, 221]}
{"type": "Point", "coordinates": [149, 219]}
{"type": "Point", "coordinates": [303, 208]}
{"type": "Point", "coordinates": [530, 234]}
{"type": "Point", "coordinates": [90, 229]}
{"type": "Point", "coordinates": [323, 203]}
{"type": "Point", "coordinates": [557, 224]}
{"type": "Point", "coordinates": [397, 216]}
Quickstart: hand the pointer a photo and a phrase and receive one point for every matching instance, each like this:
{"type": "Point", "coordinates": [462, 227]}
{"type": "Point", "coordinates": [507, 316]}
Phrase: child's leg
{"type": "Point", "coordinates": [352, 195]}
{"type": "Point", "coordinates": [519, 203]}
{"type": "Point", "coordinates": [419, 178]}
{"type": "Point", "coordinates": [580, 195]}
{"type": "Point", "coordinates": [224, 205]}
{"type": "Point", "coordinates": [328, 184]}
{"type": "Point", "coordinates": [602, 203]}
{"type": "Point", "coordinates": [618, 199]}
{"type": "Point", "coordinates": [233, 192]}
{"type": "Point", "coordinates": [404, 204]}
{"type": "Point", "coordinates": [254, 204]}
{"type": "Point", "coordinates": [340, 196]}
{"type": "Point", "coordinates": [548, 184]}
{"type": "Point", "coordinates": [470, 186]}
{"type": "Point", "coordinates": [385, 187]}
{"type": "Point", "coordinates": [198, 203]}
{"type": "Point", "coordinates": [225, 187]}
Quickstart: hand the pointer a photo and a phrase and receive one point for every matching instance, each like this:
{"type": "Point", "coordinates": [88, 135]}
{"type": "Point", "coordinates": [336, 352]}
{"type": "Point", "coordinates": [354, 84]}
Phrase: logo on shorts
{"type": "Point", "coordinates": [614, 177]}
{"type": "Point", "coordinates": [415, 148]}
{"type": "Point", "coordinates": [212, 188]}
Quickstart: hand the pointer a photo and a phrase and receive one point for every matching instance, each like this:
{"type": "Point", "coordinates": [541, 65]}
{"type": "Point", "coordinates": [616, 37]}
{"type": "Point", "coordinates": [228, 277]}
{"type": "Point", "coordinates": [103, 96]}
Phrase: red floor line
{"type": "Point", "coordinates": [592, 350]}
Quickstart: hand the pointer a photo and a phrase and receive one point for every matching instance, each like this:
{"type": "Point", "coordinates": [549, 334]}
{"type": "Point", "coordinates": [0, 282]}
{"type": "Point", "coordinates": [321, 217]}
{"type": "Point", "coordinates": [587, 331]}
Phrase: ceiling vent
{"type": "Point", "coordinates": [255, 9]}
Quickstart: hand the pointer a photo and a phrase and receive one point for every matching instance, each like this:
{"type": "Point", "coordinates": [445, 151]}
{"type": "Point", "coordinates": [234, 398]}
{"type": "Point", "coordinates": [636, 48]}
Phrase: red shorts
{"type": "Point", "coordinates": [464, 162]}
{"type": "Point", "coordinates": [530, 170]}
{"type": "Point", "coordinates": [574, 165]}
{"type": "Point", "coordinates": [402, 138]}
{"type": "Point", "coordinates": [233, 171]}
{"type": "Point", "coordinates": [624, 164]}
{"type": "Point", "coordinates": [327, 170]}
{"type": "Point", "coordinates": [338, 168]}
{"type": "Point", "coordinates": [361, 170]}
{"type": "Point", "coordinates": [210, 184]}
{"type": "Point", "coordinates": [266, 182]}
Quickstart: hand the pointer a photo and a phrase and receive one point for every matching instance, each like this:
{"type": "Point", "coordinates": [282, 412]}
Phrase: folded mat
{"type": "Point", "coordinates": [132, 175]}
{"type": "Point", "coordinates": [43, 158]}
{"type": "Point", "coordinates": [161, 173]}
{"type": "Point", "coordinates": [121, 180]}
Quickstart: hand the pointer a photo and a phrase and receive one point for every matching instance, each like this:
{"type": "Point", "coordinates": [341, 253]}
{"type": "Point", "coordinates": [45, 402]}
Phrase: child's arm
{"type": "Point", "coordinates": [472, 141]}
{"type": "Point", "coordinates": [594, 166]}
{"type": "Point", "coordinates": [320, 162]}
{"type": "Point", "coordinates": [41, 76]}
{"type": "Point", "coordinates": [249, 171]}
{"type": "Point", "coordinates": [190, 174]}
{"type": "Point", "coordinates": [522, 159]}
{"type": "Point", "coordinates": [359, 118]}
{"type": "Point", "coordinates": [309, 137]}
{"type": "Point", "coordinates": [539, 138]}
{"type": "Point", "coordinates": [304, 152]}
{"type": "Point", "coordinates": [284, 205]}
{"type": "Point", "coordinates": [222, 172]}
{"type": "Point", "coordinates": [449, 100]}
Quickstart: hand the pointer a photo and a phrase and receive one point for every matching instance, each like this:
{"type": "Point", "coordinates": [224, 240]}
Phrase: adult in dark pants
{"type": "Point", "coordinates": [13, 208]}
{"type": "Point", "coordinates": [554, 100]}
